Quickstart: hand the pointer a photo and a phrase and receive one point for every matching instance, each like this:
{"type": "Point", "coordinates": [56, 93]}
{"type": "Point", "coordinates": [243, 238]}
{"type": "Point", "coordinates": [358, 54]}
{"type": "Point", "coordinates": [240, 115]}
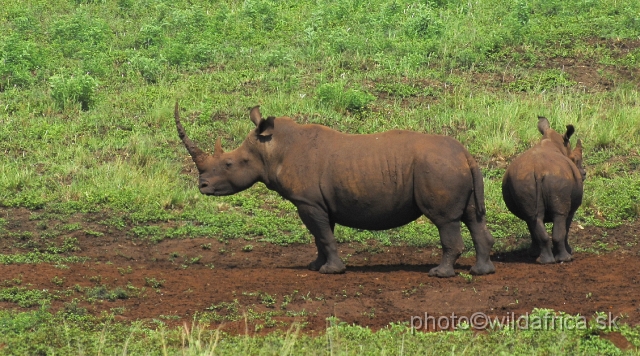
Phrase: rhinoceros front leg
{"type": "Point", "coordinates": [317, 221]}
{"type": "Point", "coordinates": [321, 260]}
{"type": "Point", "coordinates": [452, 247]}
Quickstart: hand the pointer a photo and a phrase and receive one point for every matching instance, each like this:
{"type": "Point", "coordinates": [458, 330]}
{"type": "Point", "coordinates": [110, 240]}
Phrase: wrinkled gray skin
{"type": "Point", "coordinates": [544, 184]}
{"type": "Point", "coordinates": [378, 181]}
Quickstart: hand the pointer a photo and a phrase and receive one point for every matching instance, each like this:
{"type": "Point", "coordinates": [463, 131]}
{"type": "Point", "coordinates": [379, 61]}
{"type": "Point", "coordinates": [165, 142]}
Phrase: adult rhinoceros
{"type": "Point", "coordinates": [544, 184]}
{"type": "Point", "coordinates": [377, 181]}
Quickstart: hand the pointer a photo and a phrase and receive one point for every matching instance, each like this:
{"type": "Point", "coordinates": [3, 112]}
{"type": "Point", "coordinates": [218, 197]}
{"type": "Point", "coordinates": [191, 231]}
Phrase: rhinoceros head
{"type": "Point", "coordinates": [226, 173]}
{"type": "Point", "coordinates": [576, 157]}
{"type": "Point", "coordinates": [562, 143]}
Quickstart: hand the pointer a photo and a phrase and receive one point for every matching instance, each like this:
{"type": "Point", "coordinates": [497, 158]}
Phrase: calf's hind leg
{"type": "Point", "coordinates": [559, 236]}
{"type": "Point", "coordinates": [566, 238]}
{"type": "Point", "coordinates": [540, 236]}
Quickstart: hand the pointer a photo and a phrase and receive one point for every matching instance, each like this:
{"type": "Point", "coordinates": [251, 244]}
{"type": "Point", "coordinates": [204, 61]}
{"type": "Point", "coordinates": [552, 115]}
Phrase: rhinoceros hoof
{"type": "Point", "coordinates": [564, 258]}
{"type": "Point", "coordinates": [332, 268]}
{"type": "Point", "coordinates": [316, 265]}
{"type": "Point", "coordinates": [442, 272]}
{"type": "Point", "coordinates": [483, 269]}
{"type": "Point", "coordinates": [544, 260]}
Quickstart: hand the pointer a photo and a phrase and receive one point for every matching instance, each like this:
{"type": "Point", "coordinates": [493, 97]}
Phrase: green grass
{"type": "Point", "coordinates": [87, 90]}
{"type": "Point", "coordinates": [73, 332]}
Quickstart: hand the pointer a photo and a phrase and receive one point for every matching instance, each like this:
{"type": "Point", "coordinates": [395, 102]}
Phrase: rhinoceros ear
{"type": "Point", "coordinates": [576, 154]}
{"type": "Point", "coordinates": [577, 151]}
{"type": "Point", "coordinates": [263, 127]}
{"type": "Point", "coordinates": [217, 150]}
{"type": "Point", "coordinates": [567, 135]}
{"type": "Point", "coordinates": [543, 124]}
{"type": "Point", "coordinates": [255, 115]}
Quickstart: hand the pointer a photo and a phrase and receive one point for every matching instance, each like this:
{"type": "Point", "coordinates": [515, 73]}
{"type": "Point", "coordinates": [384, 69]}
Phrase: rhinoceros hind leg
{"type": "Point", "coordinates": [566, 239]}
{"type": "Point", "coordinates": [541, 238]}
{"type": "Point", "coordinates": [452, 247]}
{"type": "Point", "coordinates": [560, 228]}
{"type": "Point", "coordinates": [566, 246]}
{"type": "Point", "coordinates": [482, 241]}
{"type": "Point", "coordinates": [534, 249]}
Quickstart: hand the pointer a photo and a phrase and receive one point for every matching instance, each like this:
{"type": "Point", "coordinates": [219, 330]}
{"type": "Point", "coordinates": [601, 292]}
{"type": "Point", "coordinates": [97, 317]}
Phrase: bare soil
{"type": "Point", "coordinates": [383, 284]}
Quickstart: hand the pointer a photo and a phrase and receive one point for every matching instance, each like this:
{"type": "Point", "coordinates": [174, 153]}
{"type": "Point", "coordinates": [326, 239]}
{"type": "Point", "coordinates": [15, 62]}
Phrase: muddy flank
{"type": "Point", "coordinates": [257, 287]}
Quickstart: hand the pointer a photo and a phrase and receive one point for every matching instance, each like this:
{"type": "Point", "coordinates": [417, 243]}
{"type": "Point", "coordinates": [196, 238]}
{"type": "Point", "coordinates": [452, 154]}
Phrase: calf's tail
{"type": "Point", "coordinates": [478, 185]}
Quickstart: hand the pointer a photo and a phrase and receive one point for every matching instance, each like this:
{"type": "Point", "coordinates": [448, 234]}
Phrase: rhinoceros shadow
{"type": "Point", "coordinates": [390, 267]}
{"type": "Point", "coordinates": [520, 255]}
{"type": "Point", "coordinates": [401, 267]}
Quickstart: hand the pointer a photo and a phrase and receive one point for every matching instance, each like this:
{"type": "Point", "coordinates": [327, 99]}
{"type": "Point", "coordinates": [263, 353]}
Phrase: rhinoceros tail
{"type": "Point", "coordinates": [478, 185]}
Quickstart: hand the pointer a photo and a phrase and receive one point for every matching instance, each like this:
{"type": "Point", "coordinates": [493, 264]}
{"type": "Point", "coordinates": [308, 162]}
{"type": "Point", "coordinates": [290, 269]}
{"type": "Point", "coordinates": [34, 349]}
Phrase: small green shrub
{"type": "Point", "coordinates": [153, 282]}
{"type": "Point", "coordinates": [80, 88]}
{"type": "Point", "coordinates": [80, 36]}
{"type": "Point", "coordinates": [25, 298]}
{"type": "Point", "coordinates": [547, 80]}
{"type": "Point", "coordinates": [263, 14]}
{"type": "Point", "coordinates": [422, 22]}
{"type": "Point", "coordinates": [18, 58]}
{"type": "Point", "coordinates": [150, 69]}
{"type": "Point", "coordinates": [336, 95]}
{"type": "Point", "coordinates": [150, 35]}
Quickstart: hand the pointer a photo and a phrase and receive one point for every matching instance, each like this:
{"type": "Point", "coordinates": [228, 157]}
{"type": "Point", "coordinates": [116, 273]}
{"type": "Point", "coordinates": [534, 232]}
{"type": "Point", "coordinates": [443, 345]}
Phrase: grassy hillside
{"type": "Point", "coordinates": [87, 89]}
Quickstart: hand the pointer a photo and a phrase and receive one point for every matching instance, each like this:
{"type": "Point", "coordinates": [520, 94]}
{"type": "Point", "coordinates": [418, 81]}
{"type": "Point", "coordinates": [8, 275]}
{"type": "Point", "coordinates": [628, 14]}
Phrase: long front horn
{"type": "Point", "coordinates": [197, 154]}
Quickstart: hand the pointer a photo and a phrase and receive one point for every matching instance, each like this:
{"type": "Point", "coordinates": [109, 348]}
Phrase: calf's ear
{"type": "Point", "coordinates": [567, 135]}
{"type": "Point", "coordinates": [577, 152]}
{"type": "Point", "coordinates": [543, 124]}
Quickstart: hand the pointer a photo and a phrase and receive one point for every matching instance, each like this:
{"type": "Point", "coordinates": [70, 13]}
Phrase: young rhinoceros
{"type": "Point", "coordinates": [544, 184]}
{"type": "Point", "coordinates": [378, 181]}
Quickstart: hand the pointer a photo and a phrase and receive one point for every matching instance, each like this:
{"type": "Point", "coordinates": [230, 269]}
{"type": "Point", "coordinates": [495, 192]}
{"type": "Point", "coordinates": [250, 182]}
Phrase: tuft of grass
{"type": "Point", "coordinates": [103, 335]}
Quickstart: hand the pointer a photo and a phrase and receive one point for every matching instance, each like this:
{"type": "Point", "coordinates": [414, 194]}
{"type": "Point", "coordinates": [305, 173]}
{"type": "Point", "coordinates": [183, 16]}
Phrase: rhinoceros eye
{"type": "Point", "coordinates": [228, 163]}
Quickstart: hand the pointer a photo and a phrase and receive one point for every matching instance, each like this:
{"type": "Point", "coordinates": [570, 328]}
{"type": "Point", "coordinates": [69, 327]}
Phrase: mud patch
{"type": "Point", "coordinates": [269, 288]}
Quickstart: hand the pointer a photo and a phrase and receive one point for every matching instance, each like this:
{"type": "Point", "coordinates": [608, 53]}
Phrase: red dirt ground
{"type": "Point", "coordinates": [382, 284]}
